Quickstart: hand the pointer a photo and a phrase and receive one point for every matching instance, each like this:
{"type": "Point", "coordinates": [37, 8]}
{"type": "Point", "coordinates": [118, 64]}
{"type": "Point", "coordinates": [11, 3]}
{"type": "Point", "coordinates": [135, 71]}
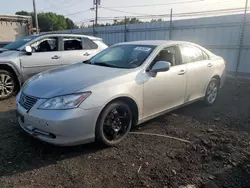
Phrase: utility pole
{"type": "Point", "coordinates": [96, 3]}
{"type": "Point", "coordinates": [35, 13]}
{"type": "Point", "coordinates": [242, 36]}
{"type": "Point", "coordinates": [171, 24]}
{"type": "Point", "coordinates": [96, 13]}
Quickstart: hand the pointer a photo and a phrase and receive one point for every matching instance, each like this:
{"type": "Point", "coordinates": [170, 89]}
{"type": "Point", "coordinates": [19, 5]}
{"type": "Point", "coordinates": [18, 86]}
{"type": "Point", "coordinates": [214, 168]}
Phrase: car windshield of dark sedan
{"type": "Point", "coordinates": [17, 44]}
{"type": "Point", "coordinates": [123, 56]}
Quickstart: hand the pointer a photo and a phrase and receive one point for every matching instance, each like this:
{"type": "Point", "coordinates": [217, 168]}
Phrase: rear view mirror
{"type": "Point", "coordinates": [28, 50]}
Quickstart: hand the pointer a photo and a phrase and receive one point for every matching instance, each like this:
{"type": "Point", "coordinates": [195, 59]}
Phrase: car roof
{"type": "Point", "coordinates": [68, 34]}
{"type": "Point", "coordinates": [154, 42]}
{"type": "Point", "coordinates": [164, 42]}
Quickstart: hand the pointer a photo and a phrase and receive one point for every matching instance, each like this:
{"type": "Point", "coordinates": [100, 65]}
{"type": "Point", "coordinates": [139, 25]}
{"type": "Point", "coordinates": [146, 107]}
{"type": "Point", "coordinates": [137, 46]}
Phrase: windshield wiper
{"type": "Point", "coordinates": [86, 62]}
{"type": "Point", "coordinates": [105, 65]}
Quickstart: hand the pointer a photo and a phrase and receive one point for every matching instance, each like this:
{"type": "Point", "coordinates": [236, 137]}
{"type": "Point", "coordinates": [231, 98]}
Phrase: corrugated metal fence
{"type": "Point", "coordinates": [222, 35]}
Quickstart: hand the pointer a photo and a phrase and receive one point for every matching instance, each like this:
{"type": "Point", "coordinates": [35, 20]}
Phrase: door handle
{"type": "Point", "coordinates": [55, 57]}
{"type": "Point", "coordinates": [209, 65]}
{"type": "Point", "coordinates": [87, 54]}
{"type": "Point", "coordinates": [182, 72]}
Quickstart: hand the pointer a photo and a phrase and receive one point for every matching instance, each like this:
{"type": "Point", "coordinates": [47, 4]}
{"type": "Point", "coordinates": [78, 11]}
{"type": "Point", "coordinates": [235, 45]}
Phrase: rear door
{"type": "Point", "coordinates": [199, 71]}
{"type": "Point", "coordinates": [76, 49]}
{"type": "Point", "coordinates": [45, 55]}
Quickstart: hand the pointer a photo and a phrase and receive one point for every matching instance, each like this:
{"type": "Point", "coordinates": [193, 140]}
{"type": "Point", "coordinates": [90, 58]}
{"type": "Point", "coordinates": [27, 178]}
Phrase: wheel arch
{"type": "Point", "coordinates": [217, 77]}
{"type": "Point", "coordinates": [10, 68]}
{"type": "Point", "coordinates": [132, 104]}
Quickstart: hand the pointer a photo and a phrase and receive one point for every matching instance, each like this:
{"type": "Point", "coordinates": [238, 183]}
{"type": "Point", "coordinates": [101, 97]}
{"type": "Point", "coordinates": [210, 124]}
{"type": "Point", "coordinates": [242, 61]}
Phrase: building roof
{"type": "Point", "coordinates": [15, 18]}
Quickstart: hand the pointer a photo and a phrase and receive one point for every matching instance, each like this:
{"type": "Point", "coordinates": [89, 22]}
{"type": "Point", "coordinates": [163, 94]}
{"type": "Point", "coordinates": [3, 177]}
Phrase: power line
{"type": "Point", "coordinates": [74, 3]}
{"type": "Point", "coordinates": [71, 14]}
{"type": "Point", "coordinates": [199, 13]}
{"type": "Point", "coordinates": [141, 6]}
{"type": "Point", "coordinates": [123, 11]}
{"type": "Point", "coordinates": [52, 5]}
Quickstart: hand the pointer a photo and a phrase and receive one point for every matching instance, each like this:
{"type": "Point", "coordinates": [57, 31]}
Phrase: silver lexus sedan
{"type": "Point", "coordinates": [123, 86]}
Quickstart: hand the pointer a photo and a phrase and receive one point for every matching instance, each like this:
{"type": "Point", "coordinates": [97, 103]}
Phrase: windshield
{"type": "Point", "coordinates": [123, 56]}
{"type": "Point", "coordinates": [17, 44]}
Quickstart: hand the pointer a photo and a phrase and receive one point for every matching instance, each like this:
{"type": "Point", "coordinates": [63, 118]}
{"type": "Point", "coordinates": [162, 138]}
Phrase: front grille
{"type": "Point", "coordinates": [27, 101]}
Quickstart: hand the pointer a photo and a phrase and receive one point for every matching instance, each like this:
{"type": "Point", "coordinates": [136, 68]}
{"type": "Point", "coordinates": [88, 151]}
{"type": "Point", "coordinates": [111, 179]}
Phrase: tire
{"type": "Point", "coordinates": [8, 85]}
{"type": "Point", "coordinates": [114, 123]}
{"type": "Point", "coordinates": [212, 92]}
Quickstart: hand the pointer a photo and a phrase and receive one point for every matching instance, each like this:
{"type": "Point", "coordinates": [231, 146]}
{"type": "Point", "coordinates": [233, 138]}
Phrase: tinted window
{"type": "Point", "coordinates": [191, 54]}
{"type": "Point", "coordinates": [169, 54]}
{"type": "Point", "coordinates": [17, 44]}
{"type": "Point", "coordinates": [45, 45]}
{"type": "Point", "coordinates": [205, 56]}
{"type": "Point", "coordinates": [72, 43]}
{"type": "Point", "coordinates": [123, 56]}
{"type": "Point", "coordinates": [89, 44]}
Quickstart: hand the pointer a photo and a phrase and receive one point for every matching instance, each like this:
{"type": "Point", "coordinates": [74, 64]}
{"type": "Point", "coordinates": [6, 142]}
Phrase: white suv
{"type": "Point", "coordinates": [24, 58]}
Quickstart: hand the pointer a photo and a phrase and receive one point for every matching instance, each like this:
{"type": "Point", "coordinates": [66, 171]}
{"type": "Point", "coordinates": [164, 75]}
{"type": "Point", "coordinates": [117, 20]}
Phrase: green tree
{"type": "Point", "coordinates": [157, 20]}
{"type": "Point", "coordinates": [49, 21]}
{"type": "Point", "coordinates": [23, 13]}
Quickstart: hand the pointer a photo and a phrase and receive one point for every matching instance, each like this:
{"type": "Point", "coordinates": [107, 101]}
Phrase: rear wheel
{"type": "Point", "coordinates": [7, 84]}
{"type": "Point", "coordinates": [212, 92]}
{"type": "Point", "coordinates": [114, 123]}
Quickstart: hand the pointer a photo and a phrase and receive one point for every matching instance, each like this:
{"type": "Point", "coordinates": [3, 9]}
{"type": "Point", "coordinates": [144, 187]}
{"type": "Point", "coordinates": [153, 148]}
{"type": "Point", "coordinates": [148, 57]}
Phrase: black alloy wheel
{"type": "Point", "coordinates": [114, 123]}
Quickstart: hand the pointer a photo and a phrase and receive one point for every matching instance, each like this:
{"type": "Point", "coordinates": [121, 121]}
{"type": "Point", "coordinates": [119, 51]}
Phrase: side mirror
{"type": "Point", "coordinates": [160, 66]}
{"type": "Point", "coordinates": [28, 50]}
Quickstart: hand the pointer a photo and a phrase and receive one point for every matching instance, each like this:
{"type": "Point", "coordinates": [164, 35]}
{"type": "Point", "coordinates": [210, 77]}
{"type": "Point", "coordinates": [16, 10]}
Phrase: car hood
{"type": "Point", "coordinates": [69, 79]}
{"type": "Point", "coordinates": [8, 54]}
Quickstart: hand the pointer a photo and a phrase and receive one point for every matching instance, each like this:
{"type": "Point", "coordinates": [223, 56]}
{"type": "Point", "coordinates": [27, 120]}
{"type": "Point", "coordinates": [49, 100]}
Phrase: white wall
{"type": "Point", "coordinates": [219, 34]}
{"type": "Point", "coordinates": [11, 31]}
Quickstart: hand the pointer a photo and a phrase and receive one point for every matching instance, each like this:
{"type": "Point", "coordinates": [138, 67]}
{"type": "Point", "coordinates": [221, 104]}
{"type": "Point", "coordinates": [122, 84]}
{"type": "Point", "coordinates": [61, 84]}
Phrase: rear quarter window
{"type": "Point", "coordinates": [89, 44]}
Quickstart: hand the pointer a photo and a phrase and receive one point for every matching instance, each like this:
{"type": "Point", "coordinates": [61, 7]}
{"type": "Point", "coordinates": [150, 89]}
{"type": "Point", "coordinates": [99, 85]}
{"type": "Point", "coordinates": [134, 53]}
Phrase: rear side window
{"type": "Point", "coordinates": [72, 43]}
{"type": "Point", "coordinates": [89, 44]}
{"type": "Point", "coordinates": [192, 54]}
{"type": "Point", "coordinates": [205, 56]}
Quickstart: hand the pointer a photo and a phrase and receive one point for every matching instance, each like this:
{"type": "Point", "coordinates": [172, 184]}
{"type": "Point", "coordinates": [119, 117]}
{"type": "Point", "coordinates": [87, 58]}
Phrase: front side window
{"type": "Point", "coordinates": [169, 54]}
{"type": "Point", "coordinates": [49, 44]}
{"type": "Point", "coordinates": [123, 56]}
{"type": "Point", "coordinates": [72, 43]}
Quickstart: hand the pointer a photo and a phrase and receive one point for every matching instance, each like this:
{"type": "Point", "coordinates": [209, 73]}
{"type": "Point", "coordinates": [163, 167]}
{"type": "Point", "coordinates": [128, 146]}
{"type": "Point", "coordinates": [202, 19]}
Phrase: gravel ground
{"type": "Point", "coordinates": [218, 155]}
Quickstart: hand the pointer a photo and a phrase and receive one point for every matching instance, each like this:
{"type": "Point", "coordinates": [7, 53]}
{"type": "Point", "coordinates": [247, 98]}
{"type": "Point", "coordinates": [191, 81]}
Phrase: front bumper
{"type": "Point", "coordinates": [59, 127]}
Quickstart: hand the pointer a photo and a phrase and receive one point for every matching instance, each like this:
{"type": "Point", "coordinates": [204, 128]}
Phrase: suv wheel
{"type": "Point", "coordinates": [7, 85]}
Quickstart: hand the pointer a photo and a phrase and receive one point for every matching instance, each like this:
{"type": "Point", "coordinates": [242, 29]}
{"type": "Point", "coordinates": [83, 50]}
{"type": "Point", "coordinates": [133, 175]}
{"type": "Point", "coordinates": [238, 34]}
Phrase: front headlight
{"type": "Point", "coordinates": [64, 102]}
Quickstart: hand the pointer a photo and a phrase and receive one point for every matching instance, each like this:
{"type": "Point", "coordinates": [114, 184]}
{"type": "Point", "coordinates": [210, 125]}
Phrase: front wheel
{"type": "Point", "coordinates": [114, 123]}
{"type": "Point", "coordinates": [7, 85]}
{"type": "Point", "coordinates": [212, 92]}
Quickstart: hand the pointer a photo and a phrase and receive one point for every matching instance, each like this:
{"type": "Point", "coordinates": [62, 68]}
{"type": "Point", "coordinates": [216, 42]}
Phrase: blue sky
{"type": "Point", "coordinates": [73, 8]}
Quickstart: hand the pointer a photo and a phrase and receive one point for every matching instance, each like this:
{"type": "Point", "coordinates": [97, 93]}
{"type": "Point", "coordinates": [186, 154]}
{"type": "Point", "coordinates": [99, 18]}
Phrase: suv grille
{"type": "Point", "coordinates": [27, 101]}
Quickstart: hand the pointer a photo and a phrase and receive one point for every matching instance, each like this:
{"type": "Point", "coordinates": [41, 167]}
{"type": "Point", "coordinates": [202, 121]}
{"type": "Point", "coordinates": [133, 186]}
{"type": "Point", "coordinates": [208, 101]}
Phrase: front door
{"type": "Point", "coordinates": [167, 89]}
{"type": "Point", "coordinates": [45, 56]}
